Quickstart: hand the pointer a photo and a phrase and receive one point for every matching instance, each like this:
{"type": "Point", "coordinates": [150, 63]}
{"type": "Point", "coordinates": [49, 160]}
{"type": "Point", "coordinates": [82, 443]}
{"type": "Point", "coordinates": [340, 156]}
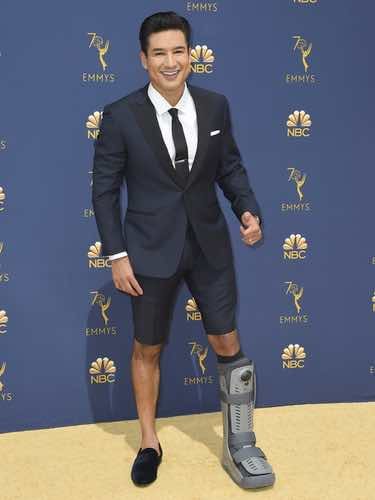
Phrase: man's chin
{"type": "Point", "coordinates": [170, 85]}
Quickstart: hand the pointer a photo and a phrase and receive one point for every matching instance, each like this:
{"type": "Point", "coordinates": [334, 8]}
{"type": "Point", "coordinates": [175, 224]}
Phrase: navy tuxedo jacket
{"type": "Point", "coordinates": [130, 147]}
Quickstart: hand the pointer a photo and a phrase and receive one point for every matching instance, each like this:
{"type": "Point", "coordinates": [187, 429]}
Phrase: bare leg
{"type": "Point", "coordinates": [225, 345]}
{"type": "Point", "coordinates": [145, 379]}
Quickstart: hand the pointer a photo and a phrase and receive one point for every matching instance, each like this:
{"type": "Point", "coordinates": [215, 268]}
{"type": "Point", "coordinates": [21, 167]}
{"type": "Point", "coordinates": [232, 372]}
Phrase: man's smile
{"type": "Point", "coordinates": [170, 74]}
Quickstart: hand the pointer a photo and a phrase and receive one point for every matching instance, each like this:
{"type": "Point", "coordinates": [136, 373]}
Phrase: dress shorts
{"type": "Point", "coordinates": [215, 292]}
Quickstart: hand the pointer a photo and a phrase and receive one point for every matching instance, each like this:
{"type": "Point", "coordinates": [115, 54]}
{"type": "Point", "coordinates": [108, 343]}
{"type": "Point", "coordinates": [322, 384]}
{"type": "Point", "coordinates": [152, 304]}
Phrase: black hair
{"type": "Point", "coordinates": [162, 21]}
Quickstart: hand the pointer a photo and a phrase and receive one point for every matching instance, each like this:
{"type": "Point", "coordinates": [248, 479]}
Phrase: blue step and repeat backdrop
{"type": "Point", "coordinates": [298, 75]}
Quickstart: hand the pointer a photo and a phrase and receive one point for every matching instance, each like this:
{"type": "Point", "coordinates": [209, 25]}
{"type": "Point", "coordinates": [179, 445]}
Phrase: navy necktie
{"type": "Point", "coordinates": [181, 160]}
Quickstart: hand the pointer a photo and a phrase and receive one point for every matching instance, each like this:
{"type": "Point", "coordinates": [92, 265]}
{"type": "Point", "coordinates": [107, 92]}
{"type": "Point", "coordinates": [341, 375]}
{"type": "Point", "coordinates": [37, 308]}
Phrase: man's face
{"type": "Point", "coordinates": [167, 60]}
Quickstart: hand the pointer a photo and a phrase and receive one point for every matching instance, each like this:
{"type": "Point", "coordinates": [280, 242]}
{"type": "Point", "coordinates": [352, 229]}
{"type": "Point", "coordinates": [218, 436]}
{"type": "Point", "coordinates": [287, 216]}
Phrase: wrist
{"type": "Point", "coordinates": [118, 259]}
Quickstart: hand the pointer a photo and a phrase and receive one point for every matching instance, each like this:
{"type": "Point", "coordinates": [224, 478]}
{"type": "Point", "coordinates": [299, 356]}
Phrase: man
{"type": "Point", "coordinates": [172, 142]}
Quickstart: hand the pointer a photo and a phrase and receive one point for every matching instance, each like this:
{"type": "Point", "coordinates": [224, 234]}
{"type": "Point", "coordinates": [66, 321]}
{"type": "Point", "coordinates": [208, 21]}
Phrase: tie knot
{"type": "Point", "coordinates": [173, 112]}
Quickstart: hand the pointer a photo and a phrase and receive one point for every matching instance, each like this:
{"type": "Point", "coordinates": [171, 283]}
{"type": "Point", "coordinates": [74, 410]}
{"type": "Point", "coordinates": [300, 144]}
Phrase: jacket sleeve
{"type": "Point", "coordinates": [108, 173]}
{"type": "Point", "coordinates": [232, 176]}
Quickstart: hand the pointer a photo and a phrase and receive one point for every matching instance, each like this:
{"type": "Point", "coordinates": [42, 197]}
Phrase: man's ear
{"type": "Point", "coordinates": [143, 57]}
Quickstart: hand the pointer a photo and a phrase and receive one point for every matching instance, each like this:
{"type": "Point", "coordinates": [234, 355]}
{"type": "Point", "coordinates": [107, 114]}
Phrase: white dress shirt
{"type": "Point", "coordinates": [188, 118]}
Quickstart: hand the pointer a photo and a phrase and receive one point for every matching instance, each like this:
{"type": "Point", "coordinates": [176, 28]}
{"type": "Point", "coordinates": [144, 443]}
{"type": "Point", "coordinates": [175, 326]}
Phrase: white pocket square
{"type": "Point", "coordinates": [215, 132]}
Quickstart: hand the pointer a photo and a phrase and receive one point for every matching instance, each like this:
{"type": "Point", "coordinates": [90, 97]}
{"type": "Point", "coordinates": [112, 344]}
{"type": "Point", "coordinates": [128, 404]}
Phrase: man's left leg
{"type": "Point", "coordinates": [246, 463]}
{"type": "Point", "coordinates": [215, 292]}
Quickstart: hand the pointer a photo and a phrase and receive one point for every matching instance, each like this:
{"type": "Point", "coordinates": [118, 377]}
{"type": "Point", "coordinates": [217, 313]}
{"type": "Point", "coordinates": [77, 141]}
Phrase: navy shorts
{"type": "Point", "coordinates": [215, 292]}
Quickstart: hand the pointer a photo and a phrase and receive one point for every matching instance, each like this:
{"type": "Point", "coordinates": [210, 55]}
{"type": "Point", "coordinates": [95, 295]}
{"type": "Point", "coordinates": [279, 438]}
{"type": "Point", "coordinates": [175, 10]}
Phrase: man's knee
{"type": "Point", "coordinates": [146, 352]}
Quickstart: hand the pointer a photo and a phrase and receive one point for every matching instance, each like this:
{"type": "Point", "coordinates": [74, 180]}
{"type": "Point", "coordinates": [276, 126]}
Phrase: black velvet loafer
{"type": "Point", "coordinates": [145, 466]}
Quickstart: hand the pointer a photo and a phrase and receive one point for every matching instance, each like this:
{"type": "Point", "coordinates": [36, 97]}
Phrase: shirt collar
{"type": "Point", "coordinates": [162, 105]}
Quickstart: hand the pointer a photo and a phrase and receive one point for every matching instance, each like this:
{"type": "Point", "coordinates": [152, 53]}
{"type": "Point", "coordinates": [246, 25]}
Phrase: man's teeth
{"type": "Point", "coordinates": [170, 73]}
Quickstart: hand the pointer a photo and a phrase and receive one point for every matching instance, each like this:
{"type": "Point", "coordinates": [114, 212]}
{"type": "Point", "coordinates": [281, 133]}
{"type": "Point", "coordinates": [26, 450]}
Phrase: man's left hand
{"type": "Point", "coordinates": [250, 229]}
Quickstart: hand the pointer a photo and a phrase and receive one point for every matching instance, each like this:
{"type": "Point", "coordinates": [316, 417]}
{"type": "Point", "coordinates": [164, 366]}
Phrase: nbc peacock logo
{"type": "Point", "coordinates": [373, 302]}
{"type": "Point", "coordinates": [2, 199]}
{"type": "Point", "coordinates": [102, 371]}
{"type": "Point", "coordinates": [298, 124]}
{"type": "Point", "coordinates": [295, 247]}
{"type": "Point", "coordinates": [202, 59]}
{"type": "Point", "coordinates": [93, 124]}
{"type": "Point", "coordinates": [192, 311]}
{"type": "Point", "coordinates": [293, 356]}
{"type": "Point", "coordinates": [3, 322]}
{"type": "Point", "coordinates": [95, 260]}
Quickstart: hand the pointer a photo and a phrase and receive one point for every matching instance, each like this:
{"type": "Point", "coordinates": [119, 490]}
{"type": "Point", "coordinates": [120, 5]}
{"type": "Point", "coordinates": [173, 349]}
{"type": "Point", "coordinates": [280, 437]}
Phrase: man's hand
{"type": "Point", "coordinates": [250, 230]}
{"type": "Point", "coordinates": [123, 277]}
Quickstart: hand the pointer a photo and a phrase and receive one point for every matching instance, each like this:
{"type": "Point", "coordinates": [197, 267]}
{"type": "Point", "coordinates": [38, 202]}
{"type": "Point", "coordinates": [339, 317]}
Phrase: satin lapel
{"type": "Point", "coordinates": [145, 115]}
{"type": "Point", "coordinates": [203, 117]}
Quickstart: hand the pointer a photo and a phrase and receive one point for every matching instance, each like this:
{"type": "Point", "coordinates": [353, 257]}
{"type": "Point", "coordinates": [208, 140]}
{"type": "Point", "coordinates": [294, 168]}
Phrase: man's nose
{"type": "Point", "coordinates": [170, 60]}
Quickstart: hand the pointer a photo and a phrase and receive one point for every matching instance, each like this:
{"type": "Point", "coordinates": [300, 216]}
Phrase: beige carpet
{"type": "Point", "coordinates": [317, 451]}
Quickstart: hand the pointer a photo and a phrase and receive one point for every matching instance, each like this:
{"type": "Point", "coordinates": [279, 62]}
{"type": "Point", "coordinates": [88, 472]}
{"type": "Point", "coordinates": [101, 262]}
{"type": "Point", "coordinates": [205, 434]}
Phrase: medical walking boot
{"type": "Point", "coordinates": [245, 463]}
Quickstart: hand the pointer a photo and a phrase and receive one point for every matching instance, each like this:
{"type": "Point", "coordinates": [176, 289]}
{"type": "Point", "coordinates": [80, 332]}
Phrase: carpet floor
{"type": "Point", "coordinates": [322, 451]}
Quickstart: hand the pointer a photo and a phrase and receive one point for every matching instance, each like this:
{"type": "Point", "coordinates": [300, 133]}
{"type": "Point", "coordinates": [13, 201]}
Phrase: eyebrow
{"type": "Point", "coordinates": [174, 48]}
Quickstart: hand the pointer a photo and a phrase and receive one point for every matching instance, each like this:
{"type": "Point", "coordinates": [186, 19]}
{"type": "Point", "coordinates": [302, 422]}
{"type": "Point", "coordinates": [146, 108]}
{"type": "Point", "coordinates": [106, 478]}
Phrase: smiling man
{"type": "Point", "coordinates": [173, 142]}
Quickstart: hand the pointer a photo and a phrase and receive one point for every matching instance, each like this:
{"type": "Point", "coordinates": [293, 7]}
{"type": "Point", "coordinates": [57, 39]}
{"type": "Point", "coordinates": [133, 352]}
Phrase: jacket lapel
{"type": "Point", "coordinates": [145, 115]}
{"type": "Point", "coordinates": [203, 117]}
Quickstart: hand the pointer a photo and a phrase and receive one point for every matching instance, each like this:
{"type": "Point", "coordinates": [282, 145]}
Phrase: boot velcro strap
{"type": "Point", "coordinates": [235, 399]}
{"type": "Point", "coordinates": [248, 452]}
{"type": "Point", "coordinates": [242, 438]}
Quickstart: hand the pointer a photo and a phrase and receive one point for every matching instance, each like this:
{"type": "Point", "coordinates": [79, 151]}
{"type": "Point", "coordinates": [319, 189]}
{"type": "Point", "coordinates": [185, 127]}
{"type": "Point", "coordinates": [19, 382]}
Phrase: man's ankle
{"type": "Point", "coordinates": [151, 442]}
